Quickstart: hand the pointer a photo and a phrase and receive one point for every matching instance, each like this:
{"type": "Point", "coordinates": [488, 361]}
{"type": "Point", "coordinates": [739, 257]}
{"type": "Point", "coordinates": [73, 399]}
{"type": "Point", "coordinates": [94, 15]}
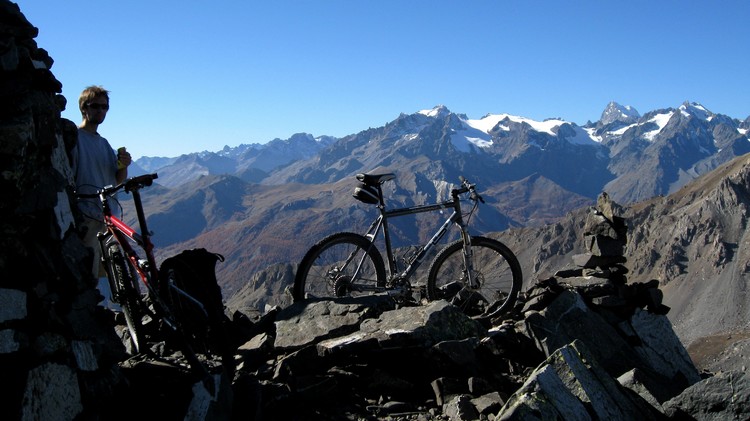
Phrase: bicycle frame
{"type": "Point", "coordinates": [147, 269]}
{"type": "Point", "coordinates": [122, 232]}
{"type": "Point", "coordinates": [381, 224]}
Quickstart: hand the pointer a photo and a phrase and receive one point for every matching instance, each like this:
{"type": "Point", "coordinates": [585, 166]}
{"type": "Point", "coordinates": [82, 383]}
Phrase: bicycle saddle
{"type": "Point", "coordinates": [374, 179]}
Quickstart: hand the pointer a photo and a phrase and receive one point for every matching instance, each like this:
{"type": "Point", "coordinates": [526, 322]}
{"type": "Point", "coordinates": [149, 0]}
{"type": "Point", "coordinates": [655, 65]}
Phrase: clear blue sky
{"type": "Point", "coordinates": [188, 76]}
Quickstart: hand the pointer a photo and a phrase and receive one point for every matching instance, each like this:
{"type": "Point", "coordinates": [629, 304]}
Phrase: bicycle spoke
{"type": "Point", "coordinates": [496, 277]}
{"type": "Point", "coordinates": [341, 265]}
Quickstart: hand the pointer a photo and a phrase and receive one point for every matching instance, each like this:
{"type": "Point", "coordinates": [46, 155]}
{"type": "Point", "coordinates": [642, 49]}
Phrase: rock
{"type": "Point", "coordinates": [421, 326]}
{"type": "Point", "coordinates": [568, 318]}
{"type": "Point", "coordinates": [52, 392]}
{"type": "Point", "coordinates": [643, 385]}
{"type": "Point", "coordinates": [342, 316]}
{"type": "Point", "coordinates": [662, 351]}
{"type": "Point", "coordinates": [588, 260]}
{"type": "Point", "coordinates": [461, 408]}
{"type": "Point", "coordinates": [724, 396]}
{"type": "Point", "coordinates": [489, 403]}
{"type": "Point", "coordinates": [571, 385]}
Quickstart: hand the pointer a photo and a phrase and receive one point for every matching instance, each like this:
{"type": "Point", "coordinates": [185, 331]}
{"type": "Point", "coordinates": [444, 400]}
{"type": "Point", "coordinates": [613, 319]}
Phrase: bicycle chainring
{"type": "Point", "coordinates": [342, 286]}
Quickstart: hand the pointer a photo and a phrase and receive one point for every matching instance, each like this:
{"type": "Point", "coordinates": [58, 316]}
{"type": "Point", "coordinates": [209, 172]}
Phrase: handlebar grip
{"type": "Point", "coordinates": [145, 179]}
{"type": "Point", "coordinates": [139, 181]}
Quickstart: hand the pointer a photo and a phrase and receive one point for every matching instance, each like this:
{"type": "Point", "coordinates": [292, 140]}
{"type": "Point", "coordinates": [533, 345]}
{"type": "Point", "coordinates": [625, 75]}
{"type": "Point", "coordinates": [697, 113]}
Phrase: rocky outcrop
{"type": "Point", "coordinates": [556, 356]}
{"type": "Point", "coordinates": [58, 348]}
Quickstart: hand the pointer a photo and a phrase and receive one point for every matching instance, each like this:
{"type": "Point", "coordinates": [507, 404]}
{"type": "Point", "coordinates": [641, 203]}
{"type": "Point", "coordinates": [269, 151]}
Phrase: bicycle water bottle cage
{"type": "Point", "coordinates": [366, 194]}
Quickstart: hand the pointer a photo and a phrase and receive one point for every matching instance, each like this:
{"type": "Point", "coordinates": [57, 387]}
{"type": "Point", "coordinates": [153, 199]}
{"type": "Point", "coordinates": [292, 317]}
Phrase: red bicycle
{"type": "Point", "coordinates": [195, 324]}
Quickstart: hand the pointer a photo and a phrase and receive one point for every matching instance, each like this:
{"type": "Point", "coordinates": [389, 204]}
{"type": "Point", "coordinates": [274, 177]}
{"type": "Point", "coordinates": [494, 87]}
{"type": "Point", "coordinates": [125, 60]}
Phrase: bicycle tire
{"type": "Point", "coordinates": [319, 274]}
{"type": "Point", "coordinates": [127, 293]}
{"type": "Point", "coordinates": [496, 269]}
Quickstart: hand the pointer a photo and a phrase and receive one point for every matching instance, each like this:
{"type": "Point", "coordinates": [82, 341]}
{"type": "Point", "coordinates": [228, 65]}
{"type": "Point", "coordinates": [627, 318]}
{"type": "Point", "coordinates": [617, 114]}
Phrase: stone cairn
{"type": "Point", "coordinates": [599, 273]}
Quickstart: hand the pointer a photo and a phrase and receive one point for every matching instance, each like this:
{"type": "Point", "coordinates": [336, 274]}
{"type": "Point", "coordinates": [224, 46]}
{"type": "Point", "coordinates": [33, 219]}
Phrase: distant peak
{"type": "Point", "coordinates": [616, 112]}
{"type": "Point", "coordinates": [695, 109]}
{"type": "Point", "coordinates": [301, 137]}
{"type": "Point", "coordinates": [437, 111]}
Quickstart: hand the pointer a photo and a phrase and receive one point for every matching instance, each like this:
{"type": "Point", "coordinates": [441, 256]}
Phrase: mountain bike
{"type": "Point", "coordinates": [166, 300]}
{"type": "Point", "coordinates": [480, 275]}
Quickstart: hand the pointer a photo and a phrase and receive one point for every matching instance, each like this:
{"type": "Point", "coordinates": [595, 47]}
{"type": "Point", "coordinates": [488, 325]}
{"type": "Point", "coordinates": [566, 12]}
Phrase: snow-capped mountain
{"type": "Point", "coordinates": [480, 132]}
{"type": "Point", "coordinates": [666, 148]}
{"type": "Point", "coordinates": [632, 157]}
{"type": "Point", "coordinates": [619, 113]}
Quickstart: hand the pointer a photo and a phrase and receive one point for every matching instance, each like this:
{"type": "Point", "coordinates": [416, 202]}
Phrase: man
{"type": "Point", "coordinates": [95, 164]}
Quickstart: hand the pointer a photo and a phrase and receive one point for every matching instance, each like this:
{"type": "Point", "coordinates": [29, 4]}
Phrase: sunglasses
{"type": "Point", "coordinates": [95, 106]}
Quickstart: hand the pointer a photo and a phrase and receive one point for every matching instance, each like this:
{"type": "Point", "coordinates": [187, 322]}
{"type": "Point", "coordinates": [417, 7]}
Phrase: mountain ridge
{"type": "Point", "coordinates": [691, 138]}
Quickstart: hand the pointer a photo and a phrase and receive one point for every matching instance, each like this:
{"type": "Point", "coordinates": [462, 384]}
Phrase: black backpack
{"type": "Point", "coordinates": [200, 316]}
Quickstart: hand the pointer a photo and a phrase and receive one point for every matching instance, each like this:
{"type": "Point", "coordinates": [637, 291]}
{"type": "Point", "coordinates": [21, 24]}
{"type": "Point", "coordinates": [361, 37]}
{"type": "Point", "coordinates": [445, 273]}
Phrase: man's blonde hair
{"type": "Point", "coordinates": [89, 94]}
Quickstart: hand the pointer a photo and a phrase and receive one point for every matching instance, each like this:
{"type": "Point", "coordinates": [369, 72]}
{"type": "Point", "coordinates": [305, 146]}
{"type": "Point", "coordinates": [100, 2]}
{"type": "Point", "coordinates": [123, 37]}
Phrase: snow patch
{"type": "Point", "coordinates": [476, 132]}
{"type": "Point", "coordinates": [622, 130]}
{"type": "Point", "coordinates": [660, 120]}
{"type": "Point", "coordinates": [582, 137]}
{"type": "Point", "coordinates": [592, 134]}
{"type": "Point", "coordinates": [437, 111]}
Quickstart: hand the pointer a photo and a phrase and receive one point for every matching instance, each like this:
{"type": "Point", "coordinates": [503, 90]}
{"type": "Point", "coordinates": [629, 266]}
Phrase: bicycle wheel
{"type": "Point", "coordinates": [496, 271]}
{"type": "Point", "coordinates": [342, 264]}
{"type": "Point", "coordinates": [126, 293]}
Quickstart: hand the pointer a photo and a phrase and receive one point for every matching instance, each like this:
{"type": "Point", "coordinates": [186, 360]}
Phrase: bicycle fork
{"type": "Point", "coordinates": [471, 281]}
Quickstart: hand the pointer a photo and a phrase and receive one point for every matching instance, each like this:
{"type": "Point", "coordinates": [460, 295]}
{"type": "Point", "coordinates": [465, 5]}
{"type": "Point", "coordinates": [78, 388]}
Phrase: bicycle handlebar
{"type": "Point", "coordinates": [470, 188]}
{"type": "Point", "coordinates": [131, 184]}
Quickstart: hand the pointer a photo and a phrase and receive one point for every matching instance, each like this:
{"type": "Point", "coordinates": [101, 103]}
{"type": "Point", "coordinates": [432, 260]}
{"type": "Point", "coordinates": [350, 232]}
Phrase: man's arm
{"type": "Point", "coordinates": [121, 175]}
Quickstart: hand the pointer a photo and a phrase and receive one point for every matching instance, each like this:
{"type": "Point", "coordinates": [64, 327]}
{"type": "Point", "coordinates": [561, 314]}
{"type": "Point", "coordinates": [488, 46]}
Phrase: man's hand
{"type": "Point", "coordinates": [123, 161]}
{"type": "Point", "coordinates": [123, 158]}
